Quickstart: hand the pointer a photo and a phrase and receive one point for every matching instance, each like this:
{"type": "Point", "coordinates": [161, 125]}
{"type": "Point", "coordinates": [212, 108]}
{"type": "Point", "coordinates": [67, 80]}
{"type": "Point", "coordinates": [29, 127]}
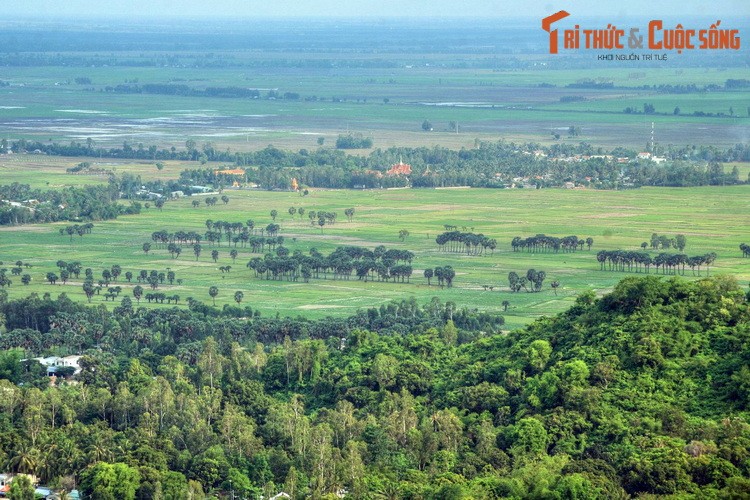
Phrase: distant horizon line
{"type": "Point", "coordinates": [367, 17]}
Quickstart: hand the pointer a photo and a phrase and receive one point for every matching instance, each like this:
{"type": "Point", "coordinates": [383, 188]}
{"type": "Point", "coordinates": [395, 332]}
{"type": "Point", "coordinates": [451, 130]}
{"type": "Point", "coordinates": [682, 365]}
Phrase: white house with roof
{"type": "Point", "coordinates": [54, 363]}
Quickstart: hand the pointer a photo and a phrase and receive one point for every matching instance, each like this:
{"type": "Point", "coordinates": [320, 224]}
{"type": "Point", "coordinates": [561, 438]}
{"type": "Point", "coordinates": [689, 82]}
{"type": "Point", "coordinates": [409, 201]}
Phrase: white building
{"type": "Point", "coordinates": [54, 363]}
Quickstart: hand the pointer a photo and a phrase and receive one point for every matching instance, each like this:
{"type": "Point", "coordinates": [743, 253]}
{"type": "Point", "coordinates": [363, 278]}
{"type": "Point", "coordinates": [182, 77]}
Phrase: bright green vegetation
{"type": "Point", "coordinates": [712, 219]}
{"type": "Point", "coordinates": [645, 391]}
{"type": "Point", "coordinates": [533, 374]}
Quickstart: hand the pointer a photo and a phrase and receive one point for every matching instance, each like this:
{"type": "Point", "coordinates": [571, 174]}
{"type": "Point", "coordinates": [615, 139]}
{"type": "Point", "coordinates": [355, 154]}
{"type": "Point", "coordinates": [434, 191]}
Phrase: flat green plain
{"type": "Point", "coordinates": [714, 219]}
{"type": "Point", "coordinates": [388, 104]}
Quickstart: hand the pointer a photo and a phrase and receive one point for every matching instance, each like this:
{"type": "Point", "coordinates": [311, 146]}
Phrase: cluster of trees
{"type": "Point", "coordinates": [460, 242]}
{"type": "Point", "coordinates": [532, 281]}
{"type": "Point", "coordinates": [17, 270]}
{"type": "Point", "coordinates": [381, 264]}
{"type": "Point", "coordinates": [159, 297]}
{"type": "Point", "coordinates": [233, 232]}
{"type": "Point", "coordinates": [23, 205]}
{"type": "Point", "coordinates": [544, 243]}
{"type": "Point", "coordinates": [154, 278]}
{"type": "Point", "coordinates": [79, 229]}
{"type": "Point", "coordinates": [631, 261]}
{"type": "Point", "coordinates": [86, 167]}
{"type": "Point", "coordinates": [322, 217]}
{"type": "Point", "coordinates": [210, 201]}
{"type": "Point", "coordinates": [71, 269]}
{"type": "Point", "coordinates": [665, 242]}
{"type": "Point", "coordinates": [642, 392]}
{"type": "Point", "coordinates": [6, 281]}
{"type": "Point", "coordinates": [352, 141]}
{"type": "Point", "coordinates": [444, 275]}
{"type": "Point", "coordinates": [294, 210]}
{"type": "Point", "coordinates": [327, 218]}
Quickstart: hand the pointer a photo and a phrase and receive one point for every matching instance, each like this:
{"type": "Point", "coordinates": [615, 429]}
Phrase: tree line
{"type": "Point", "coordinates": [543, 243]}
{"type": "Point", "coordinates": [669, 263]}
{"type": "Point", "coordinates": [233, 233]}
{"type": "Point", "coordinates": [465, 242]}
{"type": "Point", "coordinates": [79, 229]}
{"type": "Point", "coordinates": [379, 264]}
{"type": "Point", "coordinates": [489, 164]}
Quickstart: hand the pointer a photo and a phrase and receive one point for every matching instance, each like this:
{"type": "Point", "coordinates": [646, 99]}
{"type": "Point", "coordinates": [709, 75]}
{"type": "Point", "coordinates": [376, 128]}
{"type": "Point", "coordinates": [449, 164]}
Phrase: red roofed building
{"type": "Point", "coordinates": [399, 168]}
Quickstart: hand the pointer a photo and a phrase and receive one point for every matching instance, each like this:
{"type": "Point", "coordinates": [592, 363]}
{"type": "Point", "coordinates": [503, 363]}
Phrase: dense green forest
{"type": "Point", "coordinates": [20, 204]}
{"type": "Point", "coordinates": [643, 391]}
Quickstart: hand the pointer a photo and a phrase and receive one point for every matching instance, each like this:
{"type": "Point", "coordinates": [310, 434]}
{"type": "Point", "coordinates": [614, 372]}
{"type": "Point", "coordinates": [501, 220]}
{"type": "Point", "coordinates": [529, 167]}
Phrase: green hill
{"type": "Point", "coordinates": [644, 392]}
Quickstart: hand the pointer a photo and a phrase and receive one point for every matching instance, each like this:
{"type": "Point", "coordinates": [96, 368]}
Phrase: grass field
{"type": "Point", "coordinates": [384, 92]}
{"type": "Point", "coordinates": [713, 219]}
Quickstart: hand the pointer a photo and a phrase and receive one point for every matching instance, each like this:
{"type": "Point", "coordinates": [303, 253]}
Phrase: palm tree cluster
{"type": "Point", "coordinates": [212, 200]}
{"type": "Point", "coordinates": [544, 243]}
{"type": "Point", "coordinates": [154, 278]}
{"type": "Point", "coordinates": [74, 268]}
{"type": "Point", "coordinates": [669, 263]}
{"type": "Point", "coordinates": [159, 297]}
{"type": "Point", "coordinates": [532, 282]}
{"type": "Point", "coordinates": [328, 218]}
{"type": "Point", "coordinates": [459, 242]}
{"type": "Point", "coordinates": [665, 242]}
{"type": "Point", "coordinates": [381, 264]}
{"type": "Point", "coordinates": [443, 274]}
{"type": "Point", "coordinates": [163, 238]}
{"type": "Point", "coordinates": [232, 232]}
{"type": "Point", "coordinates": [79, 229]}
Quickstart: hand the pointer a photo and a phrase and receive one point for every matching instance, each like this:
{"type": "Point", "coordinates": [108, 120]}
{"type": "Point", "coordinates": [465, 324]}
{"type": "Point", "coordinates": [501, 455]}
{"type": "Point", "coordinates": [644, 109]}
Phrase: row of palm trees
{"type": "Point", "coordinates": [544, 243]}
{"type": "Point", "coordinates": [173, 240]}
{"type": "Point", "coordinates": [669, 263]}
{"type": "Point", "coordinates": [470, 243]}
{"type": "Point", "coordinates": [379, 264]}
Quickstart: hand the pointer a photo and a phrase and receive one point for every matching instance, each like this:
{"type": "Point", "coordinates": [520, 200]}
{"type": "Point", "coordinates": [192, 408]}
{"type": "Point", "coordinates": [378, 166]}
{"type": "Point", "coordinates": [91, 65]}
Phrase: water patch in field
{"type": "Point", "coordinates": [198, 115]}
{"type": "Point", "coordinates": [82, 111]}
{"type": "Point", "coordinates": [190, 111]}
{"type": "Point", "coordinates": [457, 104]}
{"type": "Point", "coordinates": [166, 120]}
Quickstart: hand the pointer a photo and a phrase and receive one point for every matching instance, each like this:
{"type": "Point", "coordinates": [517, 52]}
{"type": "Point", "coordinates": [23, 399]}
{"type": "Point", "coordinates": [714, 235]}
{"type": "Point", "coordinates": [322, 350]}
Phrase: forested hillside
{"type": "Point", "coordinates": [644, 391]}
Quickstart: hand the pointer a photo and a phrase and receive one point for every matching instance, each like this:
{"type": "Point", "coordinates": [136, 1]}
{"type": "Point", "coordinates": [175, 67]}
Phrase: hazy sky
{"type": "Point", "coordinates": [722, 9]}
